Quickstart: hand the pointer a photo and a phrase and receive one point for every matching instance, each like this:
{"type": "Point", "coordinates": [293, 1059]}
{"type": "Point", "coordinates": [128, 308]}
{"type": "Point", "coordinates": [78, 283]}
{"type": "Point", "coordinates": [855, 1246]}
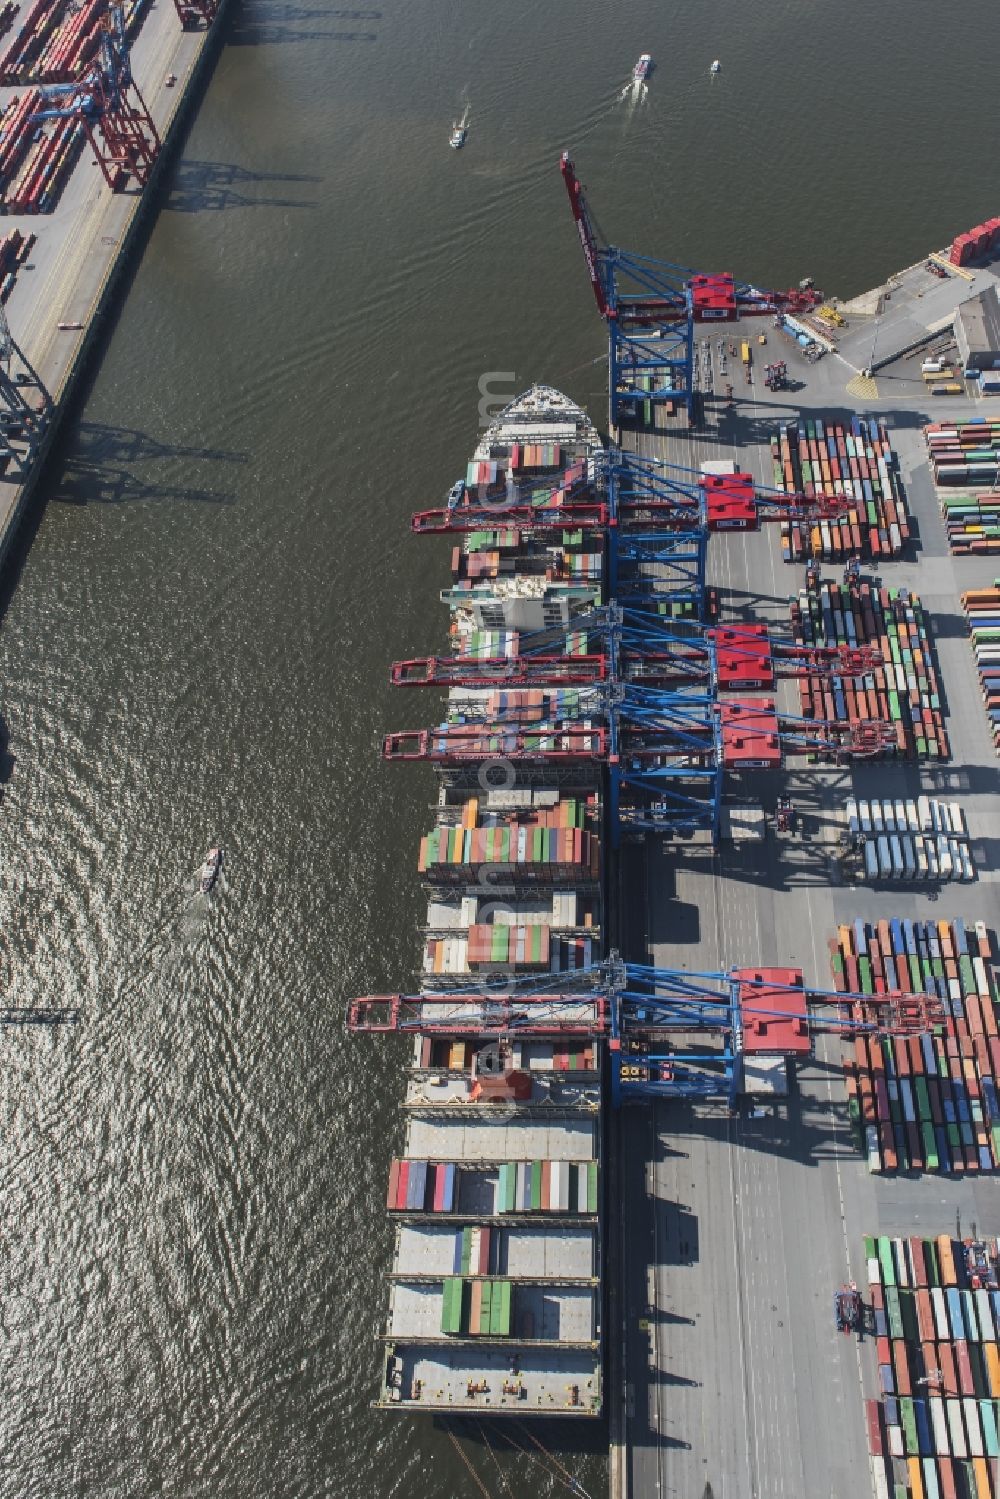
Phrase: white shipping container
{"type": "Point", "coordinates": [984, 1316]}
{"type": "Point", "coordinates": [958, 825]}
{"type": "Point", "coordinates": [897, 857]}
{"type": "Point", "coordinates": [972, 1426]}
{"type": "Point", "coordinates": [941, 1323]}
{"type": "Point", "coordinates": [884, 861]}
{"type": "Point", "coordinates": [853, 822]}
{"type": "Point", "coordinates": [945, 817]}
{"type": "Point", "coordinates": [871, 861]}
{"type": "Point", "coordinates": [956, 1429]}
{"type": "Point", "coordinates": [924, 813]}
{"type": "Point", "coordinates": [968, 868]}
{"type": "Point", "coordinates": [921, 853]}
{"type": "Point", "coordinates": [902, 822]}
{"type": "Point", "coordinates": [895, 1435]}
{"type": "Point", "coordinates": [944, 857]}
{"type": "Point", "coordinates": [932, 860]}
{"type": "Point", "coordinates": [865, 814]}
{"type": "Point", "coordinates": [909, 858]}
{"type": "Point", "coordinates": [939, 1425]}
{"type": "Point", "coordinates": [877, 820]}
{"type": "Point", "coordinates": [871, 1141]}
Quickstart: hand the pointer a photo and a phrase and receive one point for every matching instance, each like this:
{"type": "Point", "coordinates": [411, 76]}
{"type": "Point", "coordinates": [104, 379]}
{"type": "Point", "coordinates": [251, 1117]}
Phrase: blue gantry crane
{"type": "Point", "coordinates": [670, 1033]}
{"type": "Point", "coordinates": [651, 308]}
{"type": "Point", "coordinates": [107, 102]}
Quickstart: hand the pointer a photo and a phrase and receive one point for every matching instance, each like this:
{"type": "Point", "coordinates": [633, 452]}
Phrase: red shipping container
{"type": "Point", "coordinates": [393, 1191]}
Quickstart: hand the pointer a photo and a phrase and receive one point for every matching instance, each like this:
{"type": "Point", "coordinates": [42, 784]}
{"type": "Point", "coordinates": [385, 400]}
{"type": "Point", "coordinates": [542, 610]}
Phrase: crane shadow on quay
{"type": "Point", "coordinates": [200, 186]}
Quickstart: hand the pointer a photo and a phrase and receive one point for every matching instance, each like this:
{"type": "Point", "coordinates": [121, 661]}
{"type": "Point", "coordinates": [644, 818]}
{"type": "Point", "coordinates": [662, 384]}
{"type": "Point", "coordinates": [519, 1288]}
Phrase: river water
{"type": "Point", "coordinates": [196, 636]}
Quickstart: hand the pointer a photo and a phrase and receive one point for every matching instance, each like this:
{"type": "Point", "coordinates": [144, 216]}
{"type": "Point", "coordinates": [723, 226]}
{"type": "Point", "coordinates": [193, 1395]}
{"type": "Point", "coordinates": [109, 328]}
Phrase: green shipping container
{"type": "Point", "coordinates": [536, 1185]}
{"type": "Point", "coordinates": [592, 1187]}
{"type": "Point", "coordinates": [887, 1261]}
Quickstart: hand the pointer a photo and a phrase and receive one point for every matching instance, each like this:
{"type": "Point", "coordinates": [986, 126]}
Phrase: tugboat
{"type": "Point", "coordinates": [211, 869]}
{"type": "Point", "coordinates": [457, 138]}
{"type": "Point", "coordinates": [642, 67]}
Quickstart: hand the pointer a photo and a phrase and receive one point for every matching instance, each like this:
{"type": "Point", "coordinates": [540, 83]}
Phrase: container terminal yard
{"type": "Point", "coordinates": [716, 838]}
{"type": "Point", "coordinates": [89, 97]}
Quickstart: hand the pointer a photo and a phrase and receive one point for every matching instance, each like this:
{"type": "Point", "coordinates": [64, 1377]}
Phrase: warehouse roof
{"type": "Point", "coordinates": [980, 320]}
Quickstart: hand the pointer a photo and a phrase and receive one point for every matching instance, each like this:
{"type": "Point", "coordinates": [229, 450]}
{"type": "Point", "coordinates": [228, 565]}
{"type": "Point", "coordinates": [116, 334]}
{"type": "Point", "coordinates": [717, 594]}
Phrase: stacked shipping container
{"type": "Point", "coordinates": [982, 608]}
{"type": "Point", "coordinates": [972, 523]}
{"type": "Point", "coordinates": [975, 242]}
{"type": "Point", "coordinates": [966, 452]}
{"type": "Point", "coordinates": [903, 690]}
{"type": "Point", "coordinates": [924, 1102]}
{"type": "Point", "coordinates": [937, 1419]}
{"type": "Point", "coordinates": [826, 458]}
{"type": "Point", "coordinates": [56, 42]}
{"type": "Point", "coordinates": [911, 840]}
{"type": "Point", "coordinates": [518, 1186]}
{"type": "Point", "coordinates": [545, 845]}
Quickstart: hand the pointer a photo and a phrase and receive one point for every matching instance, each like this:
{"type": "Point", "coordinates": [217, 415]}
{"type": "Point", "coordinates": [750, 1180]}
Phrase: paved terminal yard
{"type": "Point", "coordinates": [81, 243]}
{"type": "Point", "coordinates": [739, 1230]}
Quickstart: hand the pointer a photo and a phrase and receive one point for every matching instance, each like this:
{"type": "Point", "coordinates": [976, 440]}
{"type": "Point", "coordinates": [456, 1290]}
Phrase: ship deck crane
{"type": "Point", "coordinates": [670, 1033]}
{"type": "Point", "coordinates": [651, 308]}
{"type": "Point", "coordinates": [107, 102]}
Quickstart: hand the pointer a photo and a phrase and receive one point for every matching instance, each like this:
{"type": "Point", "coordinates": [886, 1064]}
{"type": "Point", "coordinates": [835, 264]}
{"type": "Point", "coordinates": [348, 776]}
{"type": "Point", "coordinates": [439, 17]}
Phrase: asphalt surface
{"type": "Point", "coordinates": [739, 1230]}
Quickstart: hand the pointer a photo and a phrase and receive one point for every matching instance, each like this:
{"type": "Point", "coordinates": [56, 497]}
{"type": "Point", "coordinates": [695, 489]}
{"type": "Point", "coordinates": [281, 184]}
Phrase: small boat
{"type": "Point", "coordinates": [716, 67]}
{"type": "Point", "coordinates": [457, 138]}
{"type": "Point", "coordinates": [642, 67]}
{"type": "Point", "coordinates": [211, 869]}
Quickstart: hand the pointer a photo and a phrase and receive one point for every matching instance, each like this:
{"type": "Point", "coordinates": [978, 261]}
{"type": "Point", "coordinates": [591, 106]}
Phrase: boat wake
{"type": "Point", "coordinates": [633, 95]}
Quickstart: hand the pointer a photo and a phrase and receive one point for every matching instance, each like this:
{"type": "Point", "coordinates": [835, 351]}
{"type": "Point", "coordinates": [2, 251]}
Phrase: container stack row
{"type": "Point", "coordinates": [934, 1429]}
{"type": "Point", "coordinates": [903, 690]}
{"type": "Point", "coordinates": [982, 609]}
{"type": "Point", "coordinates": [455, 1054]}
{"type": "Point", "coordinates": [545, 844]}
{"type": "Point", "coordinates": [43, 174]}
{"type": "Point", "coordinates": [827, 458]}
{"type": "Point", "coordinates": [972, 523]}
{"type": "Point", "coordinates": [57, 40]}
{"type": "Point", "coordinates": [975, 242]}
{"type": "Point", "coordinates": [911, 840]}
{"type": "Point", "coordinates": [965, 453]}
{"type": "Point", "coordinates": [15, 248]}
{"type": "Point", "coordinates": [539, 1186]}
{"type": "Point", "coordinates": [928, 1101]}
{"type": "Point", "coordinates": [519, 949]}
{"type": "Point", "coordinates": [475, 1308]}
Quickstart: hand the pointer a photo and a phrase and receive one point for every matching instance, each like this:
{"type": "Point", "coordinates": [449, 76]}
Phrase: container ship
{"type": "Point", "coordinates": [495, 1288]}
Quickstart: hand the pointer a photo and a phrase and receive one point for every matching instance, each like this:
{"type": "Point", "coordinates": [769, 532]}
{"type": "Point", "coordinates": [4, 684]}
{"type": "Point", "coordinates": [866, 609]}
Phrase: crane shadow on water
{"type": "Point", "coordinates": [197, 186]}
{"type": "Point", "coordinates": [98, 462]}
{"type": "Point", "coordinates": [275, 24]}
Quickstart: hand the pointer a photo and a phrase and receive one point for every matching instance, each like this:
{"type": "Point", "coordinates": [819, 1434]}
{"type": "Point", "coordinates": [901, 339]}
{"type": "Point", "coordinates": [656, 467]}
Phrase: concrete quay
{"type": "Point", "coordinates": [735, 1231]}
{"type": "Point", "coordinates": [84, 245]}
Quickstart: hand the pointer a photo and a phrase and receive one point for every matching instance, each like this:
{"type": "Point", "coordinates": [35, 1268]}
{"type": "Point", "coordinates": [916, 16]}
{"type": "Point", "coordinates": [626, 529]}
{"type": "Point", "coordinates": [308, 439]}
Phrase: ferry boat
{"type": "Point", "coordinates": [642, 67]}
{"type": "Point", "coordinates": [211, 869]}
{"type": "Point", "coordinates": [457, 138]}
